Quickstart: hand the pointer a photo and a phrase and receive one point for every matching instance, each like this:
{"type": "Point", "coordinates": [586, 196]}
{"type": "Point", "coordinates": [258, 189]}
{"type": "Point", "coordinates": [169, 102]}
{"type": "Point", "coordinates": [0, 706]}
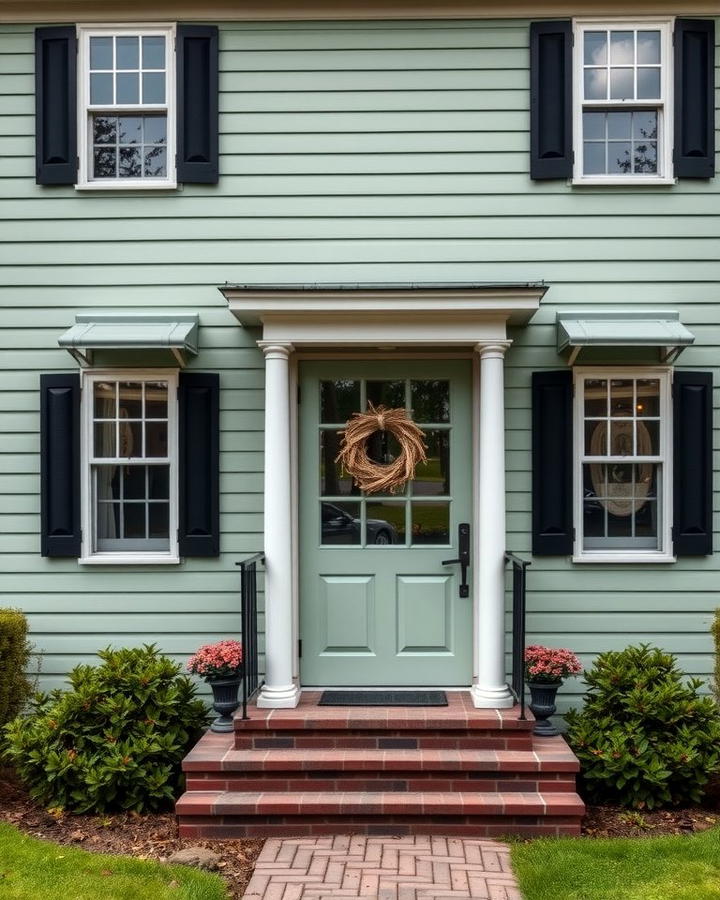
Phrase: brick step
{"type": "Point", "coordinates": [215, 753]}
{"type": "Point", "coordinates": [375, 739]}
{"type": "Point", "coordinates": [228, 814]}
{"type": "Point", "coordinates": [381, 781]}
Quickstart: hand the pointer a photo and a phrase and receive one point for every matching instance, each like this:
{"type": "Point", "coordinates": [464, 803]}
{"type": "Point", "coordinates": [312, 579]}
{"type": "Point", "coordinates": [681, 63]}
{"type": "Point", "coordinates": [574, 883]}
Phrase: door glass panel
{"type": "Point", "coordinates": [340, 523]}
{"type": "Point", "coordinates": [430, 401]}
{"type": "Point", "coordinates": [431, 523]}
{"type": "Point", "coordinates": [333, 481]}
{"type": "Point", "coordinates": [433, 478]}
{"type": "Point", "coordinates": [389, 393]}
{"type": "Point", "coordinates": [339, 400]}
{"type": "Point", "coordinates": [385, 524]}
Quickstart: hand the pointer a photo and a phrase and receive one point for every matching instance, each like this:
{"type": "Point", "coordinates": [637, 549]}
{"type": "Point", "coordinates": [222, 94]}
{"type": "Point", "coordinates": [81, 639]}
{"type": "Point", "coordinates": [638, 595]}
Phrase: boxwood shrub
{"type": "Point", "coordinates": [645, 737]}
{"type": "Point", "coordinates": [115, 740]}
{"type": "Point", "coordinates": [15, 687]}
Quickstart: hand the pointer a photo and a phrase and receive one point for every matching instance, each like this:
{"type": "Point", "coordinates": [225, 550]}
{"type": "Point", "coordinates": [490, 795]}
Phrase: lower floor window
{"type": "Point", "coordinates": [131, 464]}
{"type": "Point", "coordinates": [622, 433]}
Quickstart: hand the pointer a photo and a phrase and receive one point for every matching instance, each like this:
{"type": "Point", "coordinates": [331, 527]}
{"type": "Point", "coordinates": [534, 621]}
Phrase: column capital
{"type": "Point", "coordinates": [492, 350]}
{"type": "Point", "coordinates": [276, 349]}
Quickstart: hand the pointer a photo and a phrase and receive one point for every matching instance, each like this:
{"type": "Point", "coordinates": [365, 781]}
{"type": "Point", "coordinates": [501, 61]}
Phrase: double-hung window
{"type": "Point", "coordinates": [130, 467]}
{"type": "Point", "coordinates": [622, 465]}
{"type": "Point", "coordinates": [127, 114]}
{"type": "Point", "coordinates": [623, 104]}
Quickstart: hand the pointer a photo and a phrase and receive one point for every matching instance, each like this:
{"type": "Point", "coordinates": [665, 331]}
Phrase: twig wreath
{"type": "Point", "coordinates": [373, 477]}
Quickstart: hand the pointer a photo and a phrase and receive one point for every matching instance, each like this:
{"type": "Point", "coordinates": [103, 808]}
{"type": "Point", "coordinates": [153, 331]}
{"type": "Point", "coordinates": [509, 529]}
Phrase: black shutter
{"type": "Point", "coordinates": [551, 154]}
{"type": "Point", "coordinates": [552, 449]}
{"type": "Point", "coordinates": [692, 463]}
{"type": "Point", "coordinates": [56, 105]}
{"type": "Point", "coordinates": [199, 475]}
{"type": "Point", "coordinates": [197, 101]}
{"type": "Point", "coordinates": [60, 464]}
{"type": "Point", "coordinates": [694, 98]}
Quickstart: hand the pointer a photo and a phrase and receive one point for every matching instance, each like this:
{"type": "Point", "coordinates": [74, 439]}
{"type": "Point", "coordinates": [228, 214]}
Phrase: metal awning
{"type": "Point", "coordinates": [623, 328]}
{"type": "Point", "coordinates": [176, 332]}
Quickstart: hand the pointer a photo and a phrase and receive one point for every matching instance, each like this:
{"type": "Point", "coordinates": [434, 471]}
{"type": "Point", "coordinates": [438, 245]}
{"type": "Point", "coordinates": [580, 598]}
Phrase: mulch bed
{"type": "Point", "coordinates": [147, 836]}
{"type": "Point", "coordinates": [615, 821]}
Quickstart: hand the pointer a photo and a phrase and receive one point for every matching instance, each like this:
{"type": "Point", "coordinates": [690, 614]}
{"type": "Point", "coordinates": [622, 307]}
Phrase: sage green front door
{"type": "Point", "coordinates": [377, 605]}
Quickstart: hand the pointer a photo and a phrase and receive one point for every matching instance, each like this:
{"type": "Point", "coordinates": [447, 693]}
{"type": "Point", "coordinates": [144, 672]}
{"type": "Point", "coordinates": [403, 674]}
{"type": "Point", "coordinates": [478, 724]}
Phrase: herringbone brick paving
{"type": "Point", "coordinates": [384, 868]}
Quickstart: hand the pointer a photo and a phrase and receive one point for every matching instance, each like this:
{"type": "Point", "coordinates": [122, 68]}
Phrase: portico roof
{"type": "Point", "coordinates": [449, 313]}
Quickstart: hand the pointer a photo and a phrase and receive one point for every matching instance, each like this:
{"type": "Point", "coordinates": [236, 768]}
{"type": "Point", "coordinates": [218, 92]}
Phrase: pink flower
{"type": "Point", "coordinates": [223, 659]}
{"type": "Point", "coordinates": [550, 664]}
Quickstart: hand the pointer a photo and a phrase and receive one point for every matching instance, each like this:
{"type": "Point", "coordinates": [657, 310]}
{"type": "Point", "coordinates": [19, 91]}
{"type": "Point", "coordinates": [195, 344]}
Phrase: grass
{"type": "Point", "coordinates": [31, 869]}
{"type": "Point", "coordinates": [664, 868]}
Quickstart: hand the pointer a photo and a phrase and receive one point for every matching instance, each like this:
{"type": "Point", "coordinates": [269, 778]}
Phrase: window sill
{"type": "Point", "coordinates": [629, 557]}
{"type": "Point", "coordinates": [129, 559]}
{"type": "Point", "coordinates": [127, 185]}
{"type": "Point", "coordinates": [622, 181]}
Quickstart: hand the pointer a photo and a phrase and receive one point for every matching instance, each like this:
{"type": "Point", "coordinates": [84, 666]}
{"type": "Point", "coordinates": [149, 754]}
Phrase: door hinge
{"type": "Point", "coordinates": [299, 649]}
{"type": "Point", "coordinates": [298, 395]}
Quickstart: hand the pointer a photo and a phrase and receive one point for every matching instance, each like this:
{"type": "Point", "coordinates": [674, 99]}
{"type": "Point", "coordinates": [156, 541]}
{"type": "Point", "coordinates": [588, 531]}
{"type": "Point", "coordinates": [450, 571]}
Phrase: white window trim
{"type": "Point", "coordinates": [665, 111]}
{"type": "Point", "coordinates": [665, 554]}
{"type": "Point", "coordinates": [84, 181]}
{"type": "Point", "coordinates": [88, 556]}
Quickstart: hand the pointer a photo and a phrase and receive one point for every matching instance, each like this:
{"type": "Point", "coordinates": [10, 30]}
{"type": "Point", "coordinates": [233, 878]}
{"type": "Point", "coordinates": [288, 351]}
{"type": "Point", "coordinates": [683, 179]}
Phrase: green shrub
{"type": "Point", "coordinates": [645, 738]}
{"type": "Point", "coordinates": [715, 628]}
{"type": "Point", "coordinates": [115, 740]}
{"type": "Point", "coordinates": [15, 687]}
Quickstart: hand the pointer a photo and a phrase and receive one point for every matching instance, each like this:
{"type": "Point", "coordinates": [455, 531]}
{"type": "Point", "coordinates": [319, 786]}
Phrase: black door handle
{"type": "Point", "coordinates": [463, 557]}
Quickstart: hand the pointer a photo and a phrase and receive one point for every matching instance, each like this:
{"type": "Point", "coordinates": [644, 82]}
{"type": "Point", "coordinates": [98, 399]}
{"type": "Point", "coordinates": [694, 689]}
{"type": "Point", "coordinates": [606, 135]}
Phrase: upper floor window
{"type": "Point", "coordinates": [127, 114]}
{"type": "Point", "coordinates": [622, 102]}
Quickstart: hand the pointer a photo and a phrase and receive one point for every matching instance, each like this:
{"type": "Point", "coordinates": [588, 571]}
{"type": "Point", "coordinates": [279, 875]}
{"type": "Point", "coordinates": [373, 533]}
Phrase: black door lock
{"type": "Point", "coordinates": [463, 557]}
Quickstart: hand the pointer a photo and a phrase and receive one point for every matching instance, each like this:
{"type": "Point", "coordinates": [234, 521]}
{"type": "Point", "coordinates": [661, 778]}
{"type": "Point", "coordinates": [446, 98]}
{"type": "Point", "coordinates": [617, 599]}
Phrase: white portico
{"type": "Point", "coordinates": [382, 322]}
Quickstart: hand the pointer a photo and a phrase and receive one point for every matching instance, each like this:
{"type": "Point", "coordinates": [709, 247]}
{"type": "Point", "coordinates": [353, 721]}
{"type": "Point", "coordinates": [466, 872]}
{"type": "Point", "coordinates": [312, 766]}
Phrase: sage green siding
{"type": "Point", "coordinates": [350, 152]}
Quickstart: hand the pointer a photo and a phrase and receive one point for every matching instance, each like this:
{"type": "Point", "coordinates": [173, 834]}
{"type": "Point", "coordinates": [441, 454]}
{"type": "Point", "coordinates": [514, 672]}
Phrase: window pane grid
{"type": "Point", "coordinates": [621, 463]}
{"type": "Point", "coordinates": [420, 513]}
{"type": "Point", "coordinates": [130, 465]}
{"type": "Point", "coordinates": [630, 71]}
{"type": "Point", "coordinates": [622, 90]}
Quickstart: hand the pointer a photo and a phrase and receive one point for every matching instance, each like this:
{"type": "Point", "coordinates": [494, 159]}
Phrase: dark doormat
{"type": "Point", "coordinates": [383, 698]}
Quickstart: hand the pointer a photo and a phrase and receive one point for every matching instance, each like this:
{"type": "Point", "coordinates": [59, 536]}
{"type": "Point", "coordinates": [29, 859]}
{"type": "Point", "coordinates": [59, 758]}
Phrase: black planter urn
{"type": "Point", "coordinates": [225, 701]}
{"type": "Point", "coordinates": [542, 704]}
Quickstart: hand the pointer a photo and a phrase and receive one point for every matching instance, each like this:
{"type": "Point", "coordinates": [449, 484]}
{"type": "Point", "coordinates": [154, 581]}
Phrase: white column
{"type": "Point", "coordinates": [490, 690]}
{"type": "Point", "coordinates": [279, 689]}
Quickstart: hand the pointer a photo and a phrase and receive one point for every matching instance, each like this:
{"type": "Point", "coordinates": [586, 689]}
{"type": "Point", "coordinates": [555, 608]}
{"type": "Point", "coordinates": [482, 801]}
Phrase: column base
{"type": "Point", "coordinates": [491, 698]}
{"type": "Point", "coordinates": [286, 697]}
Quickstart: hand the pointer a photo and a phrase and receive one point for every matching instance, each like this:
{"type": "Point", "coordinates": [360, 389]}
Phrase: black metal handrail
{"type": "Point", "coordinates": [251, 683]}
{"type": "Point", "coordinates": [519, 582]}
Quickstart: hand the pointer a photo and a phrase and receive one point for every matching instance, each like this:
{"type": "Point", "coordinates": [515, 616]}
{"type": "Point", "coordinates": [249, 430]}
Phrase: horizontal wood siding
{"type": "Point", "coordinates": [371, 151]}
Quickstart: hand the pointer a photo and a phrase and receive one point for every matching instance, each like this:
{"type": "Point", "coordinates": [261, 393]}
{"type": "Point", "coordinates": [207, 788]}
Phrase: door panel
{"type": "Point", "coordinates": [377, 606]}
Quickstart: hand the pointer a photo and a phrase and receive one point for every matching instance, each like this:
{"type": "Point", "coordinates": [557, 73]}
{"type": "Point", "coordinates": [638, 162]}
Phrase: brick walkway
{"type": "Point", "coordinates": [384, 868]}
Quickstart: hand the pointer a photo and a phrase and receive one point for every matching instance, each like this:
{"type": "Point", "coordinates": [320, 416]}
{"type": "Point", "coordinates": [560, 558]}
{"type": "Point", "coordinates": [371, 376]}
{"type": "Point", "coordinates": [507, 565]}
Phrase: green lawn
{"type": "Point", "coordinates": [665, 868]}
{"type": "Point", "coordinates": [31, 869]}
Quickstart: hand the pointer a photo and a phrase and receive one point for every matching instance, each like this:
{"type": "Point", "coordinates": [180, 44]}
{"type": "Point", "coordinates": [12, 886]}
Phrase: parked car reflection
{"type": "Point", "coordinates": [339, 527]}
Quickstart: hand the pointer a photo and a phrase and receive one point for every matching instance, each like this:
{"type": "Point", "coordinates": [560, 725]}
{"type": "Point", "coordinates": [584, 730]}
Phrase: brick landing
{"type": "Point", "coordinates": [315, 771]}
{"type": "Point", "coordinates": [411, 868]}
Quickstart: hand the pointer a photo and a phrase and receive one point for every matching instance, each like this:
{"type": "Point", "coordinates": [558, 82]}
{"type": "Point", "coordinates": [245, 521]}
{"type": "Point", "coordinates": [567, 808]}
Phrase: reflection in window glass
{"type": "Point", "coordinates": [339, 400]}
{"type": "Point", "coordinates": [433, 478]}
{"type": "Point", "coordinates": [385, 524]}
{"type": "Point", "coordinates": [430, 400]}
{"type": "Point", "coordinates": [340, 523]}
{"type": "Point", "coordinates": [387, 393]}
{"type": "Point", "coordinates": [333, 481]}
{"type": "Point", "coordinates": [430, 522]}
{"type": "Point", "coordinates": [621, 502]}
